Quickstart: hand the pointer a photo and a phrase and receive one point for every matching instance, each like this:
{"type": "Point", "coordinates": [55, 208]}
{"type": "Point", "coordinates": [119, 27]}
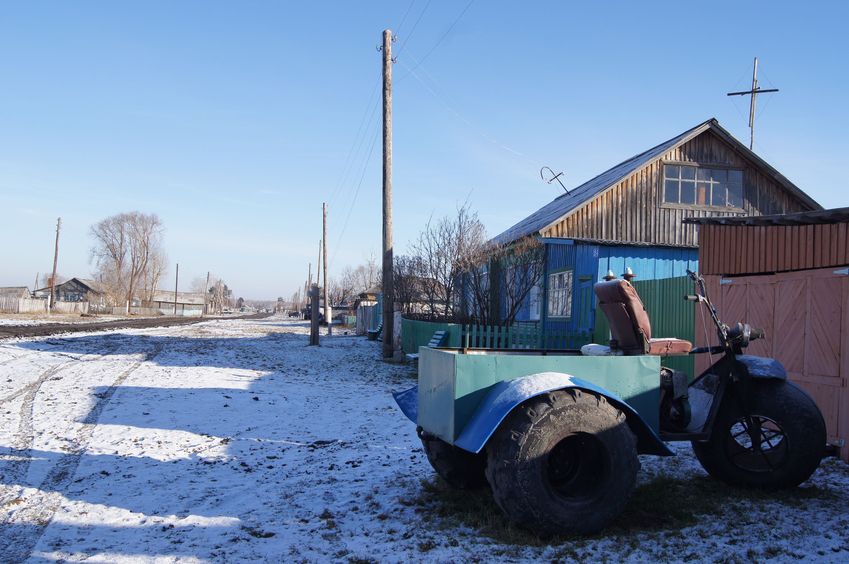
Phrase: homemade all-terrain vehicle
{"type": "Point", "coordinates": [556, 434]}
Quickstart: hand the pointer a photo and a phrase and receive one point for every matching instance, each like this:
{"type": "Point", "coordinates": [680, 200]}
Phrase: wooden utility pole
{"type": "Point", "coordinates": [205, 293]}
{"type": "Point", "coordinates": [328, 318]}
{"type": "Point", "coordinates": [314, 315]}
{"type": "Point", "coordinates": [388, 293]}
{"type": "Point", "coordinates": [754, 94]}
{"type": "Point", "coordinates": [55, 263]}
{"type": "Point", "coordinates": [35, 286]}
{"type": "Point", "coordinates": [176, 283]}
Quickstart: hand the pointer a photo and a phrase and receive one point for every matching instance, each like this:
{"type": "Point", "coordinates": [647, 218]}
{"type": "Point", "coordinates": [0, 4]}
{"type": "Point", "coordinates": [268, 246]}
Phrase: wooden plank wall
{"type": "Point", "coordinates": [745, 249]}
{"type": "Point", "coordinates": [805, 316]}
{"type": "Point", "coordinates": [633, 210]}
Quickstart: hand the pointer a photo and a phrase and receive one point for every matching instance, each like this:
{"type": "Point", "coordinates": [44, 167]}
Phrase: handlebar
{"type": "Point", "coordinates": [691, 298]}
{"type": "Point", "coordinates": [757, 334]}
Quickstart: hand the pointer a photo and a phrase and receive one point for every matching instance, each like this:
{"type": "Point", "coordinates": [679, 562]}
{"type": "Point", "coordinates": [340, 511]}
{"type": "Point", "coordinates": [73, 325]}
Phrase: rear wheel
{"type": "Point", "coordinates": [460, 468]}
{"type": "Point", "coordinates": [778, 445]}
{"type": "Point", "coordinates": [564, 462]}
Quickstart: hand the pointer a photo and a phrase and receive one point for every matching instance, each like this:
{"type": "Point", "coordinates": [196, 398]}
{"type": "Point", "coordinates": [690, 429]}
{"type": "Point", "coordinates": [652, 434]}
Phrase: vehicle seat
{"type": "Point", "coordinates": [630, 327]}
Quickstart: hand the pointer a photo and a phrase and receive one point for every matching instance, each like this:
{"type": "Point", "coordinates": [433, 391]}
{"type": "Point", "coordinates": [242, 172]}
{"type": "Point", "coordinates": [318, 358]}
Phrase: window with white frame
{"type": "Point", "coordinates": [702, 186]}
{"type": "Point", "coordinates": [534, 303]}
{"type": "Point", "coordinates": [560, 294]}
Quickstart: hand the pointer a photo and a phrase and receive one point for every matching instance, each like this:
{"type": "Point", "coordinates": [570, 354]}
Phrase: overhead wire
{"type": "Point", "coordinates": [356, 194]}
{"type": "Point", "coordinates": [415, 25]}
{"type": "Point", "coordinates": [443, 100]}
{"type": "Point", "coordinates": [445, 34]}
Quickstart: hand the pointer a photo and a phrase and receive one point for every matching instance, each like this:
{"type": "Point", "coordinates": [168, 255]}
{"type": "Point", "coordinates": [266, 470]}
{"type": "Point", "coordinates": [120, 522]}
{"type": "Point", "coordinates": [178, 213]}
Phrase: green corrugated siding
{"type": "Point", "coordinates": [415, 334]}
{"type": "Point", "coordinates": [670, 314]}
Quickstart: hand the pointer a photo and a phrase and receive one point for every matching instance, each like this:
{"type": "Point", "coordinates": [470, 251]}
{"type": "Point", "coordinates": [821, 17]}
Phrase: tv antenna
{"type": "Point", "coordinates": [553, 177]}
{"type": "Point", "coordinates": [754, 94]}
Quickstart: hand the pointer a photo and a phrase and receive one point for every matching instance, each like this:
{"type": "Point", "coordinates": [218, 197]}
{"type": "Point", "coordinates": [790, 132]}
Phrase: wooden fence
{"type": "Point", "coordinates": [11, 304]}
{"type": "Point", "coordinates": [520, 337]}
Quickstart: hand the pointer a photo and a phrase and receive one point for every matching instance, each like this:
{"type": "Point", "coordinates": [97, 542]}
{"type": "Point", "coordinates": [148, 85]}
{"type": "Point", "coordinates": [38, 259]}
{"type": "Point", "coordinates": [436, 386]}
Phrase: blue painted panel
{"type": "Point", "coordinates": [591, 263]}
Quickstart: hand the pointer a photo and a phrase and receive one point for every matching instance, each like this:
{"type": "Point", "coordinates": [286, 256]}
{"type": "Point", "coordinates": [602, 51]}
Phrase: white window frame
{"type": "Point", "coordinates": [560, 287]}
{"type": "Point", "coordinates": [534, 303]}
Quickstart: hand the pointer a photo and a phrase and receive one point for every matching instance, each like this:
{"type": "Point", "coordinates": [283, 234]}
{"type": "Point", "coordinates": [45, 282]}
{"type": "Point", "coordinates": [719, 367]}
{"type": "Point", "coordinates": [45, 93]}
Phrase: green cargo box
{"type": "Point", "coordinates": [453, 382]}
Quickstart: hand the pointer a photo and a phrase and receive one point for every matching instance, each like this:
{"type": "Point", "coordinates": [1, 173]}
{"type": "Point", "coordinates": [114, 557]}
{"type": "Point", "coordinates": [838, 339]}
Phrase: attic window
{"type": "Point", "coordinates": [701, 186]}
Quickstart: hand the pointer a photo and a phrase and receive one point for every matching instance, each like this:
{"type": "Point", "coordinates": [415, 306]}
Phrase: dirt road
{"type": "Point", "coordinates": [44, 329]}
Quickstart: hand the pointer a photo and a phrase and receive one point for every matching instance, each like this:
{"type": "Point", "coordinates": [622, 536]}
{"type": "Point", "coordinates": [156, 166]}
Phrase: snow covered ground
{"type": "Point", "coordinates": [230, 440]}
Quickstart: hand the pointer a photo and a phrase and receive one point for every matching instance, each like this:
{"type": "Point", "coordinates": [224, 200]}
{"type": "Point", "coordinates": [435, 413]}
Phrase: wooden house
{"type": "Point", "coordinates": [788, 275]}
{"type": "Point", "coordinates": [632, 216]}
{"type": "Point", "coordinates": [76, 290]}
{"type": "Point", "coordinates": [188, 304]}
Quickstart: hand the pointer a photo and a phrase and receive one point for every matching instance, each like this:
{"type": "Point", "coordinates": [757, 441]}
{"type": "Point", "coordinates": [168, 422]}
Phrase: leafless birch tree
{"type": "Point", "coordinates": [128, 254]}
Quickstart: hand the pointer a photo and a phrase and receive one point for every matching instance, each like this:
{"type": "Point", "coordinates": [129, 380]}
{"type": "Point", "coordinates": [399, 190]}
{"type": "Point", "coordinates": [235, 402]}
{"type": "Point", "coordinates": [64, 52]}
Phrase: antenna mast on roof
{"type": "Point", "coordinates": [553, 177]}
{"type": "Point", "coordinates": [753, 93]}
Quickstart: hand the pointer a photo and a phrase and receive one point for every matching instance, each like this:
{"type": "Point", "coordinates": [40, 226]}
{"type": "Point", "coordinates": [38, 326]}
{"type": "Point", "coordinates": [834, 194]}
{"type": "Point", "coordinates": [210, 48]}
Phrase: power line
{"type": "Point", "coordinates": [356, 193]}
{"type": "Point", "coordinates": [410, 7]}
{"type": "Point", "coordinates": [415, 25]}
{"type": "Point", "coordinates": [359, 138]}
{"type": "Point", "coordinates": [444, 35]}
{"type": "Point", "coordinates": [463, 119]}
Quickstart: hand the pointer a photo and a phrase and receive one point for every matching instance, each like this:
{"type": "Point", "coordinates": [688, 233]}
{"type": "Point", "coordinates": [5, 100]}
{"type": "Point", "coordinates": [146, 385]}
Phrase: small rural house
{"type": "Point", "coordinates": [15, 292]}
{"type": "Point", "coordinates": [76, 290]}
{"type": "Point", "coordinates": [789, 275]}
{"type": "Point", "coordinates": [632, 216]}
{"type": "Point", "coordinates": [189, 304]}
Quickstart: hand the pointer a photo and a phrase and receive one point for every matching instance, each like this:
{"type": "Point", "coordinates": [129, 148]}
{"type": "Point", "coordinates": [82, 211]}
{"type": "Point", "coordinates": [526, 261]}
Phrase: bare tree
{"type": "Point", "coordinates": [499, 279]}
{"type": "Point", "coordinates": [128, 253]}
{"type": "Point", "coordinates": [441, 253]}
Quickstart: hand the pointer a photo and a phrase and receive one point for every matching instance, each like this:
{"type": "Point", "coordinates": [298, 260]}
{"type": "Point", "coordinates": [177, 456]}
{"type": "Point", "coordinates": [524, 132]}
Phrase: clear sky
{"type": "Point", "coordinates": [233, 121]}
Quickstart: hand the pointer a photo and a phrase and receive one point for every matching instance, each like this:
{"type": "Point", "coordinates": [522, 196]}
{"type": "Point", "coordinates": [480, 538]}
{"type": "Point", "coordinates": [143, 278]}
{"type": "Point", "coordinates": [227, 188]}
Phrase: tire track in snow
{"type": "Point", "coordinates": [33, 519]}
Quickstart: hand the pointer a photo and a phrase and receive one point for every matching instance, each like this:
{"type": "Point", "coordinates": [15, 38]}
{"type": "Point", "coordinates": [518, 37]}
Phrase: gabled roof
{"type": "Point", "coordinates": [92, 285]}
{"type": "Point", "coordinates": [17, 291]}
{"type": "Point", "coordinates": [167, 296]}
{"type": "Point", "coordinates": [565, 204]}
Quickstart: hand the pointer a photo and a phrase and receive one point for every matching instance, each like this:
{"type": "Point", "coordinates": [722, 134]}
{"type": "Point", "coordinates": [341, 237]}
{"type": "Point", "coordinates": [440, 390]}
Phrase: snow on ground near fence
{"type": "Point", "coordinates": [230, 440]}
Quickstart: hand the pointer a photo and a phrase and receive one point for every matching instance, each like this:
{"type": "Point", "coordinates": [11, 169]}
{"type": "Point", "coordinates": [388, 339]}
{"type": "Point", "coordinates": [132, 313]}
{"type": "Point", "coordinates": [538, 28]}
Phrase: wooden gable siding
{"type": "Point", "coordinates": [633, 210]}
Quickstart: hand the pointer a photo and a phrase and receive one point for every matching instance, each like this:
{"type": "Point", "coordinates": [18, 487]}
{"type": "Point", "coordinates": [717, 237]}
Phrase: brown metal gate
{"type": "Point", "coordinates": [806, 318]}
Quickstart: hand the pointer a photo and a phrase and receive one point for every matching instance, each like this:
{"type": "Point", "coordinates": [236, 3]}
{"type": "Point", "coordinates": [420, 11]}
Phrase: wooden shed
{"type": "Point", "coordinates": [788, 274]}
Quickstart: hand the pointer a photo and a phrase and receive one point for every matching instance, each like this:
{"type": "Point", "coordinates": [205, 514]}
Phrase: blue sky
{"type": "Point", "coordinates": [233, 121]}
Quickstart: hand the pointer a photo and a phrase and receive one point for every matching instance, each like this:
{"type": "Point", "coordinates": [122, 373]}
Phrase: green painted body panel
{"type": "Point", "coordinates": [452, 383]}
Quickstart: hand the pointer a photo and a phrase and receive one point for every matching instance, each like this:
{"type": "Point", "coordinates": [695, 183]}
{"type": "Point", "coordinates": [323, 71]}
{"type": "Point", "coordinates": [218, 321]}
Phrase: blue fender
{"type": "Point", "coordinates": [762, 367]}
{"type": "Point", "coordinates": [508, 394]}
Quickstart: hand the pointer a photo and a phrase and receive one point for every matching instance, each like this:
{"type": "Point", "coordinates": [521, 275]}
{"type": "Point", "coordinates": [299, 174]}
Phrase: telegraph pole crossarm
{"type": "Point", "coordinates": [753, 92]}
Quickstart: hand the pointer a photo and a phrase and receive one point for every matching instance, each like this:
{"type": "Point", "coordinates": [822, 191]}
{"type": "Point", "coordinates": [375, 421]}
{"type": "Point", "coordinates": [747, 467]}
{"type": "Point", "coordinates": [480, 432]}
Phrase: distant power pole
{"type": "Point", "coordinates": [205, 293]}
{"type": "Point", "coordinates": [55, 263]}
{"type": "Point", "coordinates": [388, 294]}
{"type": "Point", "coordinates": [314, 338]}
{"type": "Point", "coordinates": [176, 282]}
{"type": "Point", "coordinates": [35, 286]}
{"type": "Point", "coordinates": [328, 316]}
{"type": "Point", "coordinates": [754, 94]}
{"type": "Point", "coordinates": [318, 265]}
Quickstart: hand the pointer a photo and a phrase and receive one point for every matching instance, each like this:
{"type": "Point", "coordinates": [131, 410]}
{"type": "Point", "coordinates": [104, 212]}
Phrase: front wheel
{"type": "Point", "coordinates": [778, 445]}
{"type": "Point", "coordinates": [459, 468]}
{"type": "Point", "coordinates": [563, 462]}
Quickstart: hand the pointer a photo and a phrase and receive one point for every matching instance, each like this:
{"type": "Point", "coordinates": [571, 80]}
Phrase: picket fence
{"type": "Point", "coordinates": [520, 337]}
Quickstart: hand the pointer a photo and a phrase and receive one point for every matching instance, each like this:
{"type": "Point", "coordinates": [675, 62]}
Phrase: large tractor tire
{"type": "Point", "coordinates": [563, 463]}
{"type": "Point", "coordinates": [459, 468]}
{"type": "Point", "coordinates": [777, 446]}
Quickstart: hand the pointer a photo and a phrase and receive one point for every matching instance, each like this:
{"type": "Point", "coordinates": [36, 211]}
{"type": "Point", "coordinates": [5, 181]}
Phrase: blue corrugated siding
{"type": "Point", "coordinates": [591, 263]}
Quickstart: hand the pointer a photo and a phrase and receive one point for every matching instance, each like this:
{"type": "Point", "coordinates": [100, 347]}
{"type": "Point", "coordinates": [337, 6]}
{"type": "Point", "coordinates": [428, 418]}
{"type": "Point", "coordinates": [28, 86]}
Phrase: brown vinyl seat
{"type": "Point", "coordinates": [629, 322]}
